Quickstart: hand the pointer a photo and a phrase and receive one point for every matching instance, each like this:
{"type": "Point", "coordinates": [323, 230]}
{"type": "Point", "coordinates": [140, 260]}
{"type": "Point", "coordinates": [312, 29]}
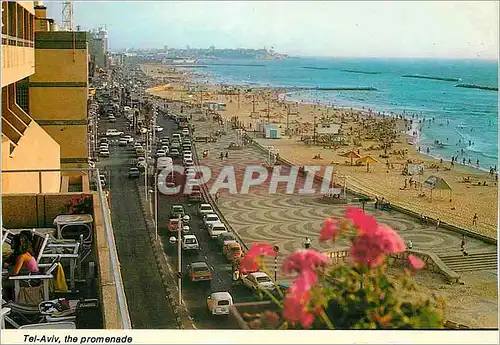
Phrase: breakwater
{"type": "Point", "coordinates": [315, 68]}
{"type": "Point", "coordinates": [480, 87]}
{"type": "Point", "coordinates": [359, 72]}
{"type": "Point", "coordinates": [235, 64]}
{"type": "Point", "coordinates": [333, 88]}
{"type": "Point", "coordinates": [417, 76]}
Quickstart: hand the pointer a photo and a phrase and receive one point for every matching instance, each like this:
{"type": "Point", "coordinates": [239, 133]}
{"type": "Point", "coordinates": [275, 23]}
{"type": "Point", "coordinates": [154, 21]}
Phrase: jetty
{"type": "Point", "coordinates": [235, 64]}
{"type": "Point", "coordinates": [429, 77]}
{"type": "Point", "coordinates": [316, 68]}
{"type": "Point", "coordinates": [480, 87]}
{"type": "Point", "coordinates": [335, 88]}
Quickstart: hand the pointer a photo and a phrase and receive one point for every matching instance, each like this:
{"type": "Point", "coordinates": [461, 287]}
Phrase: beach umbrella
{"type": "Point", "coordinates": [351, 155]}
{"type": "Point", "coordinates": [367, 159]}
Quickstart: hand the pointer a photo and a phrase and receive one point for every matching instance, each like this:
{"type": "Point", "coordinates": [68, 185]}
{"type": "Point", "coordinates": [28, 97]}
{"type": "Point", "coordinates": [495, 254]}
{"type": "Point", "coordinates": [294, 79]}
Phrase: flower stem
{"type": "Point", "coordinates": [326, 319]}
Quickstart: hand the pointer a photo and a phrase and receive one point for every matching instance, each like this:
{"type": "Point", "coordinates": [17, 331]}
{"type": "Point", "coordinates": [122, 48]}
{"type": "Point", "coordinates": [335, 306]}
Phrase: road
{"type": "Point", "coordinates": [195, 294]}
{"type": "Point", "coordinates": [148, 305]}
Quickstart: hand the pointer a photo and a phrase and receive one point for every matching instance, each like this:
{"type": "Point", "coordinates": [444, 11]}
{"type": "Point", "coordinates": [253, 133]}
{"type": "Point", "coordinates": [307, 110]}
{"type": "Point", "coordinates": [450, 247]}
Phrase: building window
{"type": "Point", "coordinates": [26, 25]}
{"type": "Point", "coordinates": [19, 21]}
{"type": "Point", "coordinates": [4, 19]}
{"type": "Point", "coordinates": [22, 94]}
{"type": "Point", "coordinates": [11, 29]}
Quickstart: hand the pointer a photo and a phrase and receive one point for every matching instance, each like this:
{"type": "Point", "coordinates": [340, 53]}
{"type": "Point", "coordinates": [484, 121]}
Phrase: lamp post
{"type": "Point", "coordinates": [179, 259]}
{"type": "Point", "coordinates": [276, 249]}
{"type": "Point", "coordinates": [146, 168]}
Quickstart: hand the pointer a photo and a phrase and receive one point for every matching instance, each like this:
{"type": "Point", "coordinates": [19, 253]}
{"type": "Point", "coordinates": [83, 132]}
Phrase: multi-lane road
{"type": "Point", "coordinates": [148, 305]}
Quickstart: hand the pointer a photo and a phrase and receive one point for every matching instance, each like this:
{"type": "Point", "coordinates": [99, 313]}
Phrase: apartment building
{"type": "Point", "coordinates": [58, 90]}
{"type": "Point", "coordinates": [25, 144]}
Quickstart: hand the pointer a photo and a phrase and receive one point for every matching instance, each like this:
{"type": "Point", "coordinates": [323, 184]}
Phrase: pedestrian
{"type": "Point", "coordinates": [474, 219]}
{"type": "Point", "coordinates": [409, 244]}
{"type": "Point", "coordinates": [227, 154]}
{"type": "Point", "coordinates": [437, 223]}
{"type": "Point", "coordinates": [307, 243]}
{"type": "Point", "coordinates": [217, 196]}
{"type": "Point", "coordinates": [462, 244]}
{"type": "Point", "coordinates": [222, 156]}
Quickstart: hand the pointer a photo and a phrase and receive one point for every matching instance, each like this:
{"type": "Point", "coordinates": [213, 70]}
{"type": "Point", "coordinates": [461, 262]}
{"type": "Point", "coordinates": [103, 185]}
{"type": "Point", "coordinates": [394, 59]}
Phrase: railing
{"type": "Point", "coordinates": [114, 267]}
{"type": "Point", "coordinates": [15, 41]}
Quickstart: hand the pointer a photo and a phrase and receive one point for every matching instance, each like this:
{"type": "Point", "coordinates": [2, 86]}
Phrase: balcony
{"type": "Point", "coordinates": [18, 59]}
{"type": "Point", "coordinates": [97, 273]}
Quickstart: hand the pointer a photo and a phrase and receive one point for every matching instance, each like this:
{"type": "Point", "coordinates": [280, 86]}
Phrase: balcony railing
{"type": "Point", "coordinates": [15, 41]}
{"type": "Point", "coordinates": [114, 267]}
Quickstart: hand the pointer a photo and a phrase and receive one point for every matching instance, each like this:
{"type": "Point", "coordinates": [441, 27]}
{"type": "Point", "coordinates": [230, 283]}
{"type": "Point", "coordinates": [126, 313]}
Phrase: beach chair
{"type": "Point", "coordinates": [45, 277]}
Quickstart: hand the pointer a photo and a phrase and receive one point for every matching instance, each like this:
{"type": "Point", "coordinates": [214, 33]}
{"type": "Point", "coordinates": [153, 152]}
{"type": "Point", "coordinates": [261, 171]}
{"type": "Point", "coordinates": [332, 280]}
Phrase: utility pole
{"type": "Point", "coordinates": [268, 110]}
{"type": "Point", "coordinates": [253, 103]}
{"type": "Point", "coordinates": [287, 116]}
{"type": "Point", "coordinates": [314, 130]}
{"type": "Point", "coordinates": [238, 99]}
{"type": "Point", "coordinates": [146, 169]}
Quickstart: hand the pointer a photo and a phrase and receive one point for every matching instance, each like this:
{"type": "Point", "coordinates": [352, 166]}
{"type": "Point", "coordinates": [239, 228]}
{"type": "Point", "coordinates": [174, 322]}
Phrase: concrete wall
{"type": "Point", "coordinates": [58, 92]}
{"type": "Point", "coordinates": [35, 150]}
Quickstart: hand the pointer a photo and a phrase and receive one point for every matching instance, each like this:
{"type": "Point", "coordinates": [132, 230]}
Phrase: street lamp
{"type": "Point", "coordinates": [179, 259]}
{"type": "Point", "coordinates": [276, 249]}
{"type": "Point", "coordinates": [156, 208]}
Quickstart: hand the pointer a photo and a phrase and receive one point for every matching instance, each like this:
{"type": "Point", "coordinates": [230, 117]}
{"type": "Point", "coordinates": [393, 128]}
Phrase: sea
{"type": "Point", "coordinates": [460, 122]}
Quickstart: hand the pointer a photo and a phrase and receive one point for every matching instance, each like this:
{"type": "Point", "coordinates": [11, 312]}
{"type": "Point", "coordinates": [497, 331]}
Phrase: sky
{"type": "Point", "coordinates": [449, 29]}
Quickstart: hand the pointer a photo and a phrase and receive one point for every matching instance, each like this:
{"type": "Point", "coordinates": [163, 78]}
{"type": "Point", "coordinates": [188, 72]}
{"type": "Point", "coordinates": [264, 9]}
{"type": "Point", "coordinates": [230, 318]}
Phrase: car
{"type": "Point", "coordinates": [112, 119]}
{"type": "Point", "coordinates": [173, 224]}
{"type": "Point", "coordinates": [134, 172]}
{"type": "Point", "coordinates": [175, 145]}
{"type": "Point", "coordinates": [209, 219]}
{"type": "Point", "coordinates": [113, 133]}
{"type": "Point", "coordinates": [190, 173]}
{"type": "Point", "coordinates": [187, 155]}
{"type": "Point", "coordinates": [123, 142]}
{"type": "Point", "coordinates": [195, 196]}
{"type": "Point", "coordinates": [174, 153]}
{"type": "Point", "coordinates": [103, 180]}
{"type": "Point", "coordinates": [190, 242]}
{"type": "Point", "coordinates": [215, 229]}
{"type": "Point", "coordinates": [158, 128]}
{"type": "Point", "coordinates": [166, 140]}
{"type": "Point", "coordinates": [218, 303]}
{"type": "Point", "coordinates": [161, 153]}
{"type": "Point", "coordinates": [232, 251]}
{"type": "Point", "coordinates": [185, 132]}
{"type": "Point", "coordinates": [199, 271]}
{"type": "Point", "coordinates": [225, 238]}
{"type": "Point", "coordinates": [139, 151]}
{"type": "Point", "coordinates": [258, 280]}
{"type": "Point", "coordinates": [104, 140]}
{"type": "Point", "coordinates": [104, 148]}
{"type": "Point", "coordinates": [165, 148]}
{"type": "Point", "coordinates": [188, 162]}
{"type": "Point", "coordinates": [205, 209]}
{"type": "Point", "coordinates": [177, 211]}
{"type": "Point", "coordinates": [186, 148]}
{"type": "Point", "coordinates": [176, 136]}
{"type": "Point", "coordinates": [104, 153]}
{"type": "Point", "coordinates": [129, 138]}
{"type": "Point", "coordinates": [137, 145]}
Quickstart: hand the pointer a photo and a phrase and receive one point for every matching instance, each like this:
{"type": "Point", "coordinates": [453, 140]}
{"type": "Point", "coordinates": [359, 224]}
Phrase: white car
{"type": "Point", "coordinates": [104, 153]}
{"type": "Point", "coordinates": [158, 128]}
{"type": "Point", "coordinates": [123, 142]}
{"type": "Point", "coordinates": [205, 209]}
{"type": "Point", "coordinates": [187, 155]}
{"type": "Point", "coordinates": [165, 148]}
{"type": "Point", "coordinates": [129, 138]}
{"type": "Point", "coordinates": [215, 229]}
{"type": "Point", "coordinates": [113, 133]}
{"type": "Point", "coordinates": [161, 153]}
{"type": "Point", "coordinates": [185, 132]}
{"type": "Point", "coordinates": [218, 303]}
{"type": "Point", "coordinates": [188, 162]}
{"type": "Point", "coordinates": [209, 219]}
{"type": "Point", "coordinates": [190, 242]}
{"type": "Point", "coordinates": [190, 172]}
{"type": "Point", "coordinates": [258, 280]}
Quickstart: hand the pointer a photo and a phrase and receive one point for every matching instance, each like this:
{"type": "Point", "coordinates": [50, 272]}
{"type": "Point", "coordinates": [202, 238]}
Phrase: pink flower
{"type": "Point", "coordinates": [371, 248]}
{"type": "Point", "coordinates": [416, 262]}
{"type": "Point", "coordinates": [360, 220]}
{"type": "Point", "coordinates": [259, 249]}
{"type": "Point", "coordinates": [248, 263]}
{"type": "Point", "coordinates": [304, 260]}
{"type": "Point", "coordinates": [329, 230]}
{"type": "Point", "coordinates": [295, 307]}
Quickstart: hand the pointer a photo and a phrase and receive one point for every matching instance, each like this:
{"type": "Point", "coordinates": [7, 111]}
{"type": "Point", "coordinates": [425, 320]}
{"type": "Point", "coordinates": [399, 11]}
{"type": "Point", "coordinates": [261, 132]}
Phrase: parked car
{"type": "Point", "coordinates": [104, 153]}
{"type": "Point", "coordinates": [176, 211]}
{"type": "Point", "coordinates": [218, 303]}
{"type": "Point", "coordinates": [258, 280]}
{"type": "Point", "coordinates": [215, 229]}
{"type": "Point", "coordinates": [209, 219]}
{"type": "Point", "coordinates": [190, 242]}
{"type": "Point", "coordinates": [232, 251]}
{"type": "Point", "coordinates": [225, 238]}
{"type": "Point", "coordinates": [188, 162]}
{"type": "Point", "coordinates": [195, 196]}
{"type": "Point", "coordinates": [158, 128]}
{"type": "Point", "coordinates": [174, 153]}
{"type": "Point", "coordinates": [205, 209]}
{"type": "Point", "coordinates": [129, 138]}
{"type": "Point", "coordinates": [199, 271]}
{"type": "Point", "coordinates": [134, 172]}
{"type": "Point", "coordinates": [173, 224]}
{"type": "Point", "coordinates": [185, 132]}
{"type": "Point", "coordinates": [123, 142]}
{"type": "Point", "coordinates": [112, 119]}
{"type": "Point", "coordinates": [113, 133]}
{"type": "Point", "coordinates": [161, 153]}
{"type": "Point", "coordinates": [176, 136]}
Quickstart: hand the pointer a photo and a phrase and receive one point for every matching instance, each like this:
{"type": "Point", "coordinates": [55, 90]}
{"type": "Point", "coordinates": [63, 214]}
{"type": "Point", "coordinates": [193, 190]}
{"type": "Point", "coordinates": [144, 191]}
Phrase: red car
{"type": "Point", "coordinates": [173, 224]}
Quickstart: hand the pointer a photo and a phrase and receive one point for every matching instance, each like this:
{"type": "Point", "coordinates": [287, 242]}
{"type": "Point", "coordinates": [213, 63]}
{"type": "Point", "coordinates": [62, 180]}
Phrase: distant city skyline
{"type": "Point", "coordinates": [324, 29]}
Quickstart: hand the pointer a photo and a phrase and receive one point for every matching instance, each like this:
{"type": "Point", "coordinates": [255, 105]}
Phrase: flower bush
{"type": "Point", "coordinates": [355, 295]}
{"type": "Point", "coordinates": [80, 204]}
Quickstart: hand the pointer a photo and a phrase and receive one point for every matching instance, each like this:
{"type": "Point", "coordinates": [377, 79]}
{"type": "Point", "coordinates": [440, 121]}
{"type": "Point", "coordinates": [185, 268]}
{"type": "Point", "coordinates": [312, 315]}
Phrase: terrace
{"type": "Point", "coordinates": [72, 229]}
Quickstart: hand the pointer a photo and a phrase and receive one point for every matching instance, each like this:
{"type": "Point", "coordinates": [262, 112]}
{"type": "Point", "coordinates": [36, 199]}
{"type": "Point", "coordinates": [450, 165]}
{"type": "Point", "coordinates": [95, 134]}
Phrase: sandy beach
{"type": "Point", "coordinates": [472, 191]}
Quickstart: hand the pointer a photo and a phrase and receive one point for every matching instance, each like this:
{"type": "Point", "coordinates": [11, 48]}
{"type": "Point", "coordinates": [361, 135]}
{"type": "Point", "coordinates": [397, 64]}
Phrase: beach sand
{"type": "Point", "coordinates": [381, 180]}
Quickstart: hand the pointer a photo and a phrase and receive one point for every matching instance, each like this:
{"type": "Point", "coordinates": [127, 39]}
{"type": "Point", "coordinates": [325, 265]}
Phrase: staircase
{"type": "Point", "coordinates": [473, 262]}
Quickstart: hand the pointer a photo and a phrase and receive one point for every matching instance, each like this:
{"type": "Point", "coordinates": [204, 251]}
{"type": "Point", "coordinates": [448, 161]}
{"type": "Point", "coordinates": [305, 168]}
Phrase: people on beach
{"type": "Point", "coordinates": [474, 219]}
